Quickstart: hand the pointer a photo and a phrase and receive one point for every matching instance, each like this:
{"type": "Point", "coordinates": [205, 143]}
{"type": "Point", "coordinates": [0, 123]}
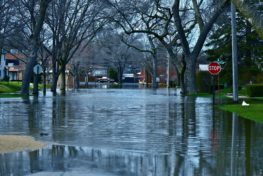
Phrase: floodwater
{"type": "Point", "coordinates": [130, 132]}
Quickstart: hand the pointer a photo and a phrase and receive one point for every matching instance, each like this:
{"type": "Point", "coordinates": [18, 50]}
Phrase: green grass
{"type": "Point", "coordinates": [10, 95]}
{"type": "Point", "coordinates": [253, 112]}
{"type": "Point", "coordinates": [10, 87]}
{"type": "Point", "coordinates": [224, 92]}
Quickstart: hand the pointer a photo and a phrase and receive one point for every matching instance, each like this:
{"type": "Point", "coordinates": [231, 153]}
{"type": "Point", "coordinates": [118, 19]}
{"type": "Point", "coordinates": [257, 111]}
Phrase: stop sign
{"type": "Point", "coordinates": [214, 68]}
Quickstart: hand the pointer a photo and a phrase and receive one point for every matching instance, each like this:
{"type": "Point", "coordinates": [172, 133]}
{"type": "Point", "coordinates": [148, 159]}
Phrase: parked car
{"type": "Point", "coordinates": [104, 79]}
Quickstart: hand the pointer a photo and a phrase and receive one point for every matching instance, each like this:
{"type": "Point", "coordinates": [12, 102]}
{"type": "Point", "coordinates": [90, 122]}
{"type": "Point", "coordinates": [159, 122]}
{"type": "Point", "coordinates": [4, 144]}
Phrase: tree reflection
{"type": "Point", "coordinates": [59, 118]}
{"type": "Point", "coordinates": [233, 145]}
{"type": "Point", "coordinates": [248, 146]}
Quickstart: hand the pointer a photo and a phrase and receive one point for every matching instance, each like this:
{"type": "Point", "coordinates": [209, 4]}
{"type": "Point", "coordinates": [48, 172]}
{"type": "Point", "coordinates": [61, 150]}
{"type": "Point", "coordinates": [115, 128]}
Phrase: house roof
{"type": "Point", "coordinates": [9, 56]}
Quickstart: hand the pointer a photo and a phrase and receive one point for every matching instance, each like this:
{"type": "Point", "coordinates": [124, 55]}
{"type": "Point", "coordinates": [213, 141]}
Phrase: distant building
{"type": "Point", "coordinates": [130, 78]}
{"type": "Point", "coordinates": [12, 65]}
{"type": "Point", "coordinates": [99, 71]}
{"type": "Point", "coordinates": [146, 78]}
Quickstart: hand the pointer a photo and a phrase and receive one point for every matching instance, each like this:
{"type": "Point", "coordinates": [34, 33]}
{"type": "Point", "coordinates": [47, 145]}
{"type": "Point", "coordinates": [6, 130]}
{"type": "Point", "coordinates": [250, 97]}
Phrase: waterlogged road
{"type": "Point", "coordinates": [130, 132]}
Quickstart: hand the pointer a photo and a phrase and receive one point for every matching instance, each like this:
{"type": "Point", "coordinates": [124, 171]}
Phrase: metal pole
{"type": "Point", "coordinates": [213, 82]}
{"type": "Point", "coordinates": [234, 53]}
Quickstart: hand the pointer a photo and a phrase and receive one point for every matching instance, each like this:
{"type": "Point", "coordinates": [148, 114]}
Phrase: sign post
{"type": "Point", "coordinates": [214, 69]}
{"type": "Point", "coordinates": [37, 70]}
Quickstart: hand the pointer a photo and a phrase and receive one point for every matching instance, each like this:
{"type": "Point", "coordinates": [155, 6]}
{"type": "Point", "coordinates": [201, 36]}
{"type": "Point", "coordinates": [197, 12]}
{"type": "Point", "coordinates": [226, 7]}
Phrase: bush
{"type": "Point", "coordinates": [259, 78]}
{"type": "Point", "coordinates": [255, 90]}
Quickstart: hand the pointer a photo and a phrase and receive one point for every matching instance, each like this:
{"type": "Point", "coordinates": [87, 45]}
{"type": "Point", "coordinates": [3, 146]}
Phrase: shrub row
{"type": "Point", "coordinates": [255, 90]}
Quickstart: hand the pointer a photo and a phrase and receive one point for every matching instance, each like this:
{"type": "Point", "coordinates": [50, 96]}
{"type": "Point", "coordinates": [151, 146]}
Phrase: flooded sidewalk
{"type": "Point", "coordinates": [133, 132]}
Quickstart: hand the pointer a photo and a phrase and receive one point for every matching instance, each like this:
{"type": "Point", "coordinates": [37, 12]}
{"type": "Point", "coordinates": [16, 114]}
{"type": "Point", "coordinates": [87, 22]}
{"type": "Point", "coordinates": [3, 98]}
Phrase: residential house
{"type": "Point", "coordinates": [12, 65]}
{"type": "Point", "coordinates": [99, 71]}
{"type": "Point", "coordinates": [146, 77]}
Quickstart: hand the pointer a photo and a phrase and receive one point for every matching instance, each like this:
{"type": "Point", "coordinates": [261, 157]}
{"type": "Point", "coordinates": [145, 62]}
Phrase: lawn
{"type": "Point", "coordinates": [253, 111]}
{"type": "Point", "coordinates": [13, 88]}
{"type": "Point", "coordinates": [10, 87]}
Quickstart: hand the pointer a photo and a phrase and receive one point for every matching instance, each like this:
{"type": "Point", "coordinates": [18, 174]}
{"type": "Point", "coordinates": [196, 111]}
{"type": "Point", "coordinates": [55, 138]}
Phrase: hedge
{"type": "Point", "coordinates": [255, 90]}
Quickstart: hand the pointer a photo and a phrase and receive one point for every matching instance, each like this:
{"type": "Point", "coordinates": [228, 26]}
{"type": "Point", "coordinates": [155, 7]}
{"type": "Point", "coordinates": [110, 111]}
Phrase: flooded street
{"type": "Point", "coordinates": [133, 132]}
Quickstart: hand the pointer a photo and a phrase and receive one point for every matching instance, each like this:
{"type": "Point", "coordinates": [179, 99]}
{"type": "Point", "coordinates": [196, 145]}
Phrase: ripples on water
{"type": "Point", "coordinates": [130, 132]}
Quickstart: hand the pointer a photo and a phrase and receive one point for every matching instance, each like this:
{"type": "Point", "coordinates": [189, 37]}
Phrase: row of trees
{"type": "Point", "coordinates": [182, 27]}
{"type": "Point", "coordinates": [50, 29]}
{"type": "Point", "coordinates": [59, 29]}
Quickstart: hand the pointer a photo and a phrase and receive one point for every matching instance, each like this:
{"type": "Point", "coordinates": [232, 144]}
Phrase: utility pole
{"type": "Point", "coordinates": [234, 53]}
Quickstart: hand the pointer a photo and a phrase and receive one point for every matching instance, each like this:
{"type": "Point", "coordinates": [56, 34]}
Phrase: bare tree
{"type": "Point", "coordinates": [70, 24]}
{"type": "Point", "coordinates": [36, 11]}
{"type": "Point", "coordinates": [81, 64]}
{"type": "Point", "coordinates": [155, 19]}
{"type": "Point", "coordinates": [44, 58]}
{"type": "Point", "coordinates": [11, 27]}
{"type": "Point", "coordinates": [205, 25]}
{"type": "Point", "coordinates": [115, 52]}
{"type": "Point", "coordinates": [149, 47]}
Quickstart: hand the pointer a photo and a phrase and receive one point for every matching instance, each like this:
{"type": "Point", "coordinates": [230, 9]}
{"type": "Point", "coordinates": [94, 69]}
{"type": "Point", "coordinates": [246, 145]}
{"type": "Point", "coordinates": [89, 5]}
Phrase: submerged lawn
{"type": "Point", "coordinates": [253, 112]}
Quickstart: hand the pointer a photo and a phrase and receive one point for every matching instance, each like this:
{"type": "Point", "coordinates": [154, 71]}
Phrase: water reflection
{"type": "Point", "coordinates": [233, 144]}
{"type": "Point", "coordinates": [131, 132]}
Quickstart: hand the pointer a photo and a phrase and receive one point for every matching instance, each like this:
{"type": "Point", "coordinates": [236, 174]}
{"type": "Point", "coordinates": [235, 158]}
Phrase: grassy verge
{"type": "Point", "coordinates": [10, 87]}
{"type": "Point", "coordinates": [253, 112]}
{"type": "Point", "coordinates": [10, 95]}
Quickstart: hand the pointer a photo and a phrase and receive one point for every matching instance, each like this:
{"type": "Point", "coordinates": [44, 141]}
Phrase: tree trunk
{"type": "Point", "coordinates": [147, 78]}
{"type": "Point", "coordinates": [34, 45]}
{"type": "Point", "coordinates": [44, 81]}
{"type": "Point", "coordinates": [28, 73]}
{"type": "Point", "coordinates": [86, 80]}
{"type": "Point", "coordinates": [182, 78]}
{"type": "Point", "coordinates": [120, 79]}
{"type": "Point", "coordinates": [35, 88]}
{"type": "Point", "coordinates": [63, 79]}
{"type": "Point", "coordinates": [190, 75]}
{"type": "Point", "coordinates": [178, 75]}
{"type": "Point", "coordinates": [55, 75]}
{"type": "Point", "coordinates": [54, 83]}
{"type": "Point", "coordinates": [168, 72]}
{"type": "Point", "coordinates": [76, 81]}
{"type": "Point", "coordinates": [155, 70]}
{"type": "Point", "coordinates": [77, 78]}
{"type": "Point", "coordinates": [120, 73]}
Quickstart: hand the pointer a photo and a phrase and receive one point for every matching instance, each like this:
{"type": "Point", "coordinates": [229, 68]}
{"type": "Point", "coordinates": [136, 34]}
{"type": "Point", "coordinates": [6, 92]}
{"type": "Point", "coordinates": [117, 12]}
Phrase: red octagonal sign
{"type": "Point", "coordinates": [214, 68]}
